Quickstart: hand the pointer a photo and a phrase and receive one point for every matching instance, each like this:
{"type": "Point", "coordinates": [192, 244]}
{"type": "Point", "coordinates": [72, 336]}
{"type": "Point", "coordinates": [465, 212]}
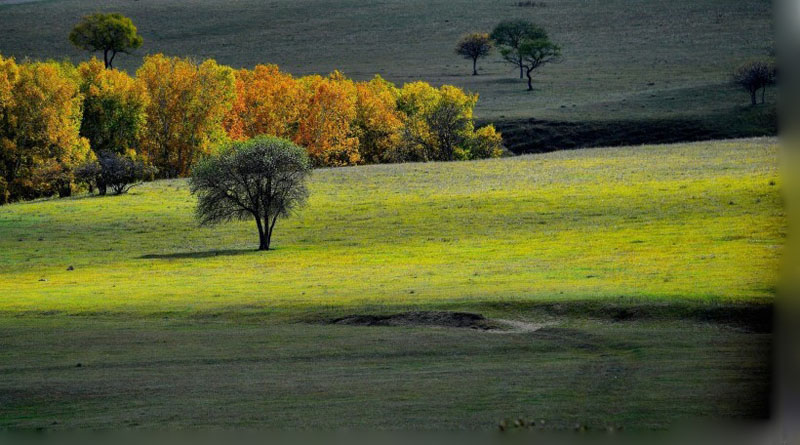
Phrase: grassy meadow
{"type": "Point", "coordinates": [623, 59]}
{"type": "Point", "coordinates": [648, 271]}
{"type": "Point", "coordinates": [633, 285]}
{"type": "Point", "coordinates": [698, 222]}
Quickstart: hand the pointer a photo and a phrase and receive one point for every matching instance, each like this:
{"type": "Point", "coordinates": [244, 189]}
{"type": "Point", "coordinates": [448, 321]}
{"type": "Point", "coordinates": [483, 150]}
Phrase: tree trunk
{"type": "Point", "coordinates": [105, 58]}
{"type": "Point", "coordinates": [753, 97]}
{"type": "Point", "coordinates": [530, 83]}
{"type": "Point", "coordinates": [475, 66]}
{"type": "Point", "coordinates": [263, 239]}
{"type": "Point", "coordinates": [65, 190]}
{"type": "Point", "coordinates": [763, 90]}
{"type": "Point", "coordinates": [520, 70]}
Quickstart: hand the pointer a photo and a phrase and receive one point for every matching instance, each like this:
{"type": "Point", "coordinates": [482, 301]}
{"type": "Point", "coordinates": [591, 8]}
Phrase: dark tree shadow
{"type": "Point", "coordinates": [205, 254]}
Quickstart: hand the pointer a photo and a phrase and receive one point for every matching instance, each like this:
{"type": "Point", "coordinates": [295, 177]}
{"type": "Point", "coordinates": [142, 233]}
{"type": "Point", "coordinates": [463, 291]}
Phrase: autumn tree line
{"type": "Point", "coordinates": [63, 125]}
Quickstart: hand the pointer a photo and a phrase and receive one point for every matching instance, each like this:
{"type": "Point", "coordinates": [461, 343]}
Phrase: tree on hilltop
{"type": "Point", "coordinates": [508, 35]}
{"type": "Point", "coordinates": [474, 46]}
{"type": "Point", "coordinates": [110, 33]}
{"type": "Point", "coordinates": [753, 76]}
{"type": "Point", "coordinates": [535, 53]}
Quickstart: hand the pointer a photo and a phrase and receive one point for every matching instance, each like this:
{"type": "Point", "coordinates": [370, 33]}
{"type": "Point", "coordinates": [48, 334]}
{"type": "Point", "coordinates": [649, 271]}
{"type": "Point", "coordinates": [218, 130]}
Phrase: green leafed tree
{"type": "Point", "coordinates": [263, 178]}
{"type": "Point", "coordinates": [110, 33]}
{"type": "Point", "coordinates": [474, 46]}
{"type": "Point", "coordinates": [508, 35]}
{"type": "Point", "coordinates": [535, 53]}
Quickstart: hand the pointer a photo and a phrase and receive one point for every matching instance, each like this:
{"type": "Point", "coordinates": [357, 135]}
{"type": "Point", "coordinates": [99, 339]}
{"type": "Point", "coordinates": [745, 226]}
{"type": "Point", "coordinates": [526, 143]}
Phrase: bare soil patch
{"type": "Point", "coordinates": [447, 319]}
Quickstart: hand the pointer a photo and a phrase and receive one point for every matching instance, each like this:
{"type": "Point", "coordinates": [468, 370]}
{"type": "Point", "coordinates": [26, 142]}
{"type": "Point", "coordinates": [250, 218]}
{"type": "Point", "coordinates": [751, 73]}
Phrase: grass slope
{"type": "Point", "coordinates": [164, 325]}
{"type": "Point", "coordinates": [624, 59]}
{"type": "Point", "coordinates": [692, 222]}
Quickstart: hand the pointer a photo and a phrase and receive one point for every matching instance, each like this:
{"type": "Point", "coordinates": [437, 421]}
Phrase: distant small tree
{"type": "Point", "coordinates": [262, 178]}
{"type": "Point", "coordinates": [509, 34]}
{"type": "Point", "coordinates": [535, 53]}
{"type": "Point", "coordinates": [753, 76]}
{"type": "Point", "coordinates": [474, 46]}
{"type": "Point", "coordinates": [109, 33]}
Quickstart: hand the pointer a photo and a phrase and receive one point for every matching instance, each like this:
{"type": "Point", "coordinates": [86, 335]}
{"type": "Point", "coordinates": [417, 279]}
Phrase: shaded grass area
{"type": "Point", "coordinates": [539, 135]}
{"type": "Point", "coordinates": [96, 372]}
{"type": "Point", "coordinates": [696, 222]}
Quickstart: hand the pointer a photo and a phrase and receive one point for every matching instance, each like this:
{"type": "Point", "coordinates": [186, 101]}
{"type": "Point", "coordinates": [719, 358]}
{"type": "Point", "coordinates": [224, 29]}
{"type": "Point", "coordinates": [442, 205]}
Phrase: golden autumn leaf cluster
{"type": "Point", "coordinates": [55, 116]}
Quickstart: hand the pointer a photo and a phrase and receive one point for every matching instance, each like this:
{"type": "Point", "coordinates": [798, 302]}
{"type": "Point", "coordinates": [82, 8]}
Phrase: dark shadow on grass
{"type": "Point", "coordinates": [203, 254]}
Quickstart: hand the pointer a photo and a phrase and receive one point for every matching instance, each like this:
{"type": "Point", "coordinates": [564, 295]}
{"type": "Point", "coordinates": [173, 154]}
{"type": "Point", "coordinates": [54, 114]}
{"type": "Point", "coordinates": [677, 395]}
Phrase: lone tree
{"type": "Point", "coordinates": [535, 53]}
{"type": "Point", "coordinates": [508, 35]}
{"type": "Point", "coordinates": [110, 33]}
{"type": "Point", "coordinates": [262, 178]}
{"type": "Point", "coordinates": [474, 46]}
{"type": "Point", "coordinates": [753, 76]}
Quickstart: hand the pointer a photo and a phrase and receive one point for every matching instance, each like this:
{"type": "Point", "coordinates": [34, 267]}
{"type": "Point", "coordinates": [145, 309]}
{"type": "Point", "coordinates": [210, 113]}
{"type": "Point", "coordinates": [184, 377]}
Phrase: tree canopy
{"type": "Point", "coordinates": [110, 33]}
{"type": "Point", "coordinates": [755, 75]}
{"type": "Point", "coordinates": [535, 53]}
{"type": "Point", "coordinates": [474, 46]}
{"type": "Point", "coordinates": [508, 35]}
{"type": "Point", "coordinates": [40, 117]}
{"type": "Point", "coordinates": [113, 108]}
{"type": "Point", "coordinates": [262, 178]}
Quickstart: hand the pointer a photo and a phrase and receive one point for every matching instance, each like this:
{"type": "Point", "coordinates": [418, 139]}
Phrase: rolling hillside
{"type": "Point", "coordinates": [698, 222]}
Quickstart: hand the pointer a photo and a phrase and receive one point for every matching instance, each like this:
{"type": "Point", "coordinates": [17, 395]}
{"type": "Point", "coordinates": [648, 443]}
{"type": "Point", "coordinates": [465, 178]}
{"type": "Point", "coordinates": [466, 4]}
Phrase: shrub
{"type": "Point", "coordinates": [114, 171]}
{"type": "Point", "coordinates": [486, 142]}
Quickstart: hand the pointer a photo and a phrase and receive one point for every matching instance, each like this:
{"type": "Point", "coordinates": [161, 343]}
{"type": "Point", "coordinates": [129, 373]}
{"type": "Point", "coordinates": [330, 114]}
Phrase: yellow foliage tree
{"type": "Point", "coordinates": [377, 123]}
{"type": "Point", "coordinates": [438, 125]}
{"type": "Point", "coordinates": [113, 108]}
{"type": "Point", "coordinates": [188, 103]}
{"type": "Point", "coordinates": [341, 122]}
{"type": "Point", "coordinates": [40, 119]}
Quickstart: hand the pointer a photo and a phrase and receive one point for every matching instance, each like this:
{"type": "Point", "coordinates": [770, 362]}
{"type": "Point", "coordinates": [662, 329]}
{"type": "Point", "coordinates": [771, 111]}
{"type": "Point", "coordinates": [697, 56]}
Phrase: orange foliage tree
{"type": "Point", "coordinates": [324, 128]}
{"type": "Point", "coordinates": [342, 122]}
{"type": "Point", "coordinates": [267, 102]}
{"type": "Point", "coordinates": [188, 102]}
{"type": "Point", "coordinates": [177, 111]}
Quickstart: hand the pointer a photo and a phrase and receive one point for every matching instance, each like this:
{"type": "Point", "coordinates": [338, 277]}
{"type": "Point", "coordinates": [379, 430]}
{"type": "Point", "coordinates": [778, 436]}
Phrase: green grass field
{"type": "Point", "coordinates": [682, 222]}
{"type": "Point", "coordinates": [649, 270]}
{"type": "Point", "coordinates": [623, 59]}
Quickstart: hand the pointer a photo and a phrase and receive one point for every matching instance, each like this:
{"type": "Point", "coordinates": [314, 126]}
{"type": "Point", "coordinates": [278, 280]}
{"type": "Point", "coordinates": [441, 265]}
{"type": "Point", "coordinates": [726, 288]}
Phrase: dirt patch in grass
{"type": "Point", "coordinates": [421, 318]}
{"type": "Point", "coordinates": [447, 319]}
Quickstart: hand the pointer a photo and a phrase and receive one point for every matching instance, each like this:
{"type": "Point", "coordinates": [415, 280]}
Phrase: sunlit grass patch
{"type": "Point", "coordinates": [695, 222]}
